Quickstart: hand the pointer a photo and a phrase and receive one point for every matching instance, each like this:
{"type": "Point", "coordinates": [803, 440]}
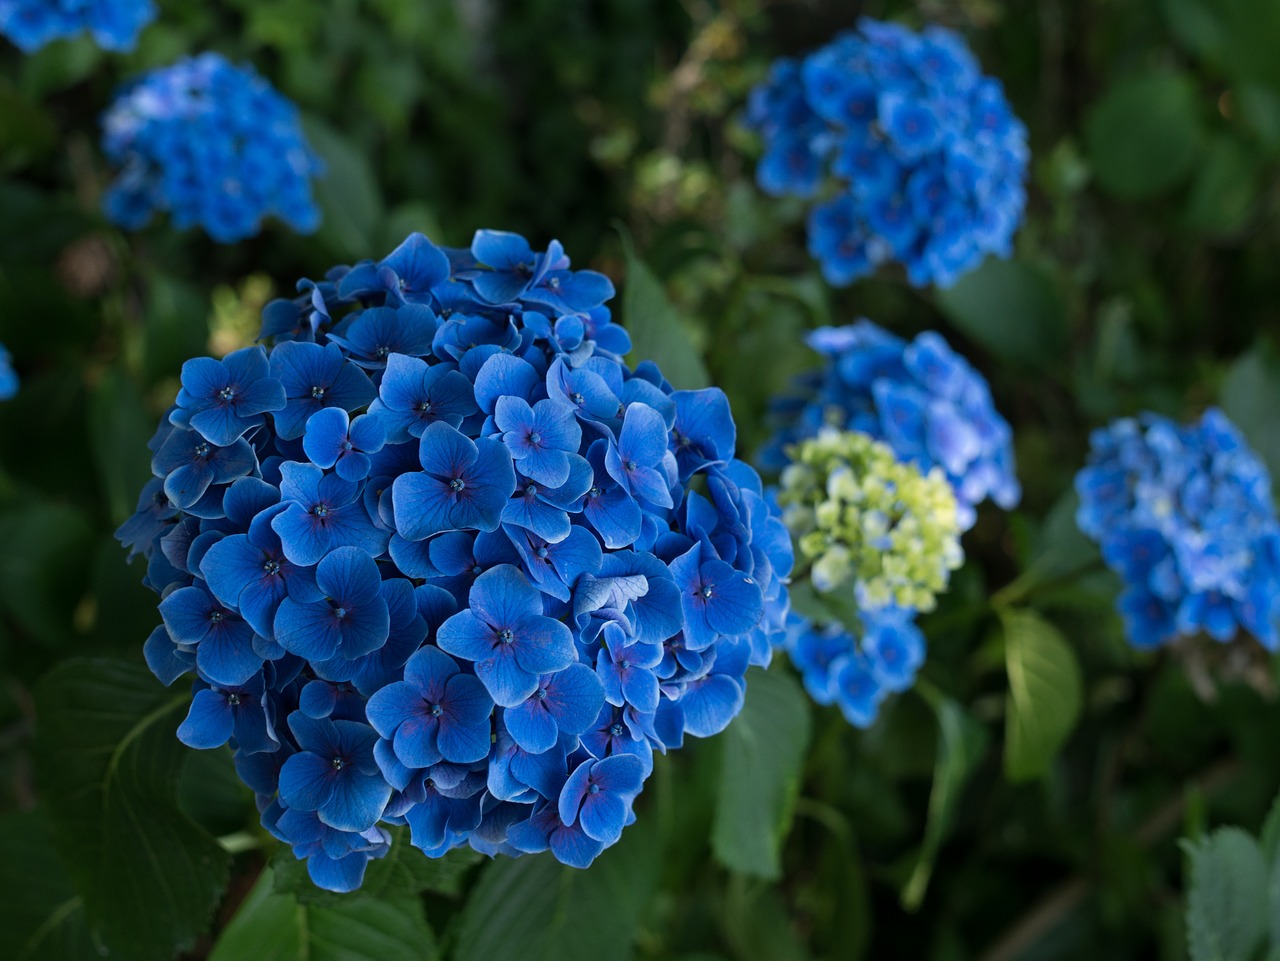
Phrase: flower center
{"type": "Point", "coordinates": [202, 450]}
{"type": "Point", "coordinates": [435, 710]}
{"type": "Point", "coordinates": [215, 617]}
{"type": "Point", "coordinates": [339, 612]}
{"type": "Point", "coordinates": [705, 591]}
{"type": "Point", "coordinates": [317, 392]}
{"type": "Point", "coordinates": [577, 398]}
{"type": "Point", "coordinates": [535, 438]}
{"type": "Point", "coordinates": [227, 393]}
{"type": "Point", "coordinates": [506, 635]}
{"type": "Point", "coordinates": [321, 510]}
{"type": "Point", "coordinates": [594, 789]}
{"type": "Point", "coordinates": [615, 729]}
{"type": "Point", "coordinates": [594, 492]}
{"type": "Point", "coordinates": [233, 700]}
{"type": "Point", "coordinates": [382, 351]}
{"type": "Point", "coordinates": [347, 445]}
{"type": "Point", "coordinates": [629, 465]}
{"type": "Point", "coordinates": [338, 763]}
{"type": "Point", "coordinates": [531, 490]}
{"type": "Point", "coordinates": [540, 693]}
{"type": "Point", "coordinates": [477, 569]}
{"type": "Point", "coordinates": [424, 407]}
{"type": "Point", "coordinates": [271, 567]}
{"type": "Point", "coordinates": [542, 553]}
{"type": "Point", "coordinates": [457, 484]}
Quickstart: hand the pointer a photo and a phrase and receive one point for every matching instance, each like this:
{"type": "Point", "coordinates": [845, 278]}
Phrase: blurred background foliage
{"type": "Point", "coordinates": [1024, 802]}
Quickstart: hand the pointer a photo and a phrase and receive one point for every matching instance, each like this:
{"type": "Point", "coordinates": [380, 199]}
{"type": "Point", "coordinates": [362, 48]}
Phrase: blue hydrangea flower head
{"type": "Point", "coordinates": [8, 376]}
{"type": "Point", "coordinates": [910, 154]}
{"type": "Point", "coordinates": [920, 397]}
{"type": "Point", "coordinates": [212, 144]}
{"type": "Point", "coordinates": [113, 24]}
{"type": "Point", "coordinates": [438, 557]}
{"type": "Point", "coordinates": [1185, 516]}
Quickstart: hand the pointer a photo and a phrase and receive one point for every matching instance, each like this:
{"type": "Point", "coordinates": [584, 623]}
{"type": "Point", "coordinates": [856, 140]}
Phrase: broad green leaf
{"type": "Point", "coordinates": [1269, 838]}
{"type": "Point", "coordinates": [961, 743]}
{"type": "Point", "coordinates": [1224, 193]}
{"type": "Point", "coordinates": [120, 426]}
{"type": "Point", "coordinates": [41, 917]}
{"type": "Point", "coordinates": [1044, 698]}
{"type": "Point", "coordinates": [1144, 136]}
{"type": "Point", "coordinates": [535, 909]}
{"type": "Point", "coordinates": [658, 333]}
{"type": "Point", "coordinates": [764, 750]}
{"type": "Point", "coordinates": [404, 872]}
{"type": "Point", "coordinates": [1251, 397]}
{"type": "Point", "coordinates": [1197, 26]}
{"type": "Point", "coordinates": [272, 926]}
{"type": "Point", "coordinates": [347, 193]}
{"type": "Point", "coordinates": [177, 328]}
{"type": "Point", "coordinates": [107, 763]}
{"type": "Point", "coordinates": [41, 584]}
{"type": "Point", "coordinates": [1227, 897]}
{"type": "Point", "coordinates": [758, 925]}
{"type": "Point", "coordinates": [1012, 308]}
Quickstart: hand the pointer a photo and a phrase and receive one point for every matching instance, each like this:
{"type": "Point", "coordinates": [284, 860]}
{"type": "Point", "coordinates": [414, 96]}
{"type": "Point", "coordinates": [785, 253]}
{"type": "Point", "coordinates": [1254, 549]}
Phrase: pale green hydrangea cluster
{"type": "Point", "coordinates": [859, 515]}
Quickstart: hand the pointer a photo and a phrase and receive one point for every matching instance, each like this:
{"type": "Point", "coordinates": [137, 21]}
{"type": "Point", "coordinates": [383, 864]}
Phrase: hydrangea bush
{"type": "Point", "coordinates": [920, 397]}
{"type": "Point", "coordinates": [438, 557]}
{"type": "Point", "coordinates": [212, 144]}
{"type": "Point", "coordinates": [1185, 516]}
{"type": "Point", "coordinates": [877, 541]}
{"type": "Point", "coordinates": [113, 24]}
{"type": "Point", "coordinates": [911, 154]}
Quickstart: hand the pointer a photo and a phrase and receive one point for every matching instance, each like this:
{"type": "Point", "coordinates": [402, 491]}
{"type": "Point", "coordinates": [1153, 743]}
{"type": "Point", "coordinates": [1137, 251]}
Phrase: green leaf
{"type": "Point", "coordinates": [1224, 193]}
{"type": "Point", "coordinates": [764, 750]}
{"type": "Point", "coordinates": [41, 917]}
{"type": "Point", "coordinates": [404, 872]}
{"type": "Point", "coordinates": [1010, 307]}
{"type": "Point", "coordinates": [107, 763]}
{"type": "Point", "coordinates": [535, 909]}
{"type": "Point", "coordinates": [41, 584]}
{"type": "Point", "coordinates": [120, 426]}
{"type": "Point", "coordinates": [1227, 900]}
{"type": "Point", "coordinates": [347, 194]}
{"type": "Point", "coordinates": [271, 926]}
{"type": "Point", "coordinates": [1269, 839]}
{"type": "Point", "coordinates": [1044, 694]}
{"type": "Point", "coordinates": [1144, 136]}
{"type": "Point", "coordinates": [658, 333]}
{"type": "Point", "coordinates": [961, 742]}
{"type": "Point", "coordinates": [1251, 397]}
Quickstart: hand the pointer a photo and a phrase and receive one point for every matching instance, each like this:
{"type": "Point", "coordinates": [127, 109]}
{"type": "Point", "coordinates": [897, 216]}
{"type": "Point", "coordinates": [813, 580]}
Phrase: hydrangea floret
{"type": "Point", "coordinates": [865, 521]}
{"type": "Point", "coordinates": [212, 144]}
{"type": "Point", "coordinates": [8, 376]}
{"type": "Point", "coordinates": [437, 557]}
{"type": "Point", "coordinates": [920, 397]}
{"type": "Point", "coordinates": [911, 154]}
{"type": "Point", "coordinates": [113, 24]}
{"type": "Point", "coordinates": [1185, 516]}
{"type": "Point", "coordinates": [877, 541]}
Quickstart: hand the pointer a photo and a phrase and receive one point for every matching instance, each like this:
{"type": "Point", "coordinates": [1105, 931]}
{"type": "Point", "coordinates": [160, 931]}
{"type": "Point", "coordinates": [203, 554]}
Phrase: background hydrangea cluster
{"type": "Point", "coordinates": [1185, 516]}
{"type": "Point", "coordinates": [877, 540]}
{"type": "Point", "coordinates": [212, 144]}
{"type": "Point", "coordinates": [8, 376]}
{"type": "Point", "coordinates": [913, 155]}
{"type": "Point", "coordinates": [114, 24]}
{"type": "Point", "coordinates": [920, 397]}
{"type": "Point", "coordinates": [435, 559]}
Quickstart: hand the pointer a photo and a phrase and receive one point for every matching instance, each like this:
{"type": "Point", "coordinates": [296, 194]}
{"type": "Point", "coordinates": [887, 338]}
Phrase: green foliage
{"type": "Point", "coordinates": [275, 926]}
{"type": "Point", "coordinates": [1045, 694]}
{"type": "Point", "coordinates": [1230, 897]}
{"type": "Point", "coordinates": [1011, 308]}
{"type": "Point", "coordinates": [657, 331]}
{"type": "Point", "coordinates": [764, 750]}
{"type": "Point", "coordinates": [537, 909]}
{"type": "Point", "coordinates": [1144, 135]}
{"type": "Point", "coordinates": [41, 916]}
{"type": "Point", "coordinates": [107, 764]}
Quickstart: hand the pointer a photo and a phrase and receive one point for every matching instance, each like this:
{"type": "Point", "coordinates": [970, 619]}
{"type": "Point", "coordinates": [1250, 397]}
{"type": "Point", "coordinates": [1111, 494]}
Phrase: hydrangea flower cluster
{"type": "Point", "coordinates": [862, 518]}
{"type": "Point", "coordinates": [1185, 516]}
{"type": "Point", "coordinates": [8, 376]}
{"type": "Point", "coordinates": [214, 145]}
{"type": "Point", "coordinates": [923, 399]}
{"type": "Point", "coordinates": [913, 154]}
{"type": "Point", "coordinates": [436, 558]}
{"type": "Point", "coordinates": [878, 540]}
{"type": "Point", "coordinates": [114, 24]}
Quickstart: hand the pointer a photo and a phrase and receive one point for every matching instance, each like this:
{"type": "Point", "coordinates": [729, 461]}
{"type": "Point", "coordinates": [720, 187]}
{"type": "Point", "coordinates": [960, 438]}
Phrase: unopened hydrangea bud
{"type": "Point", "coordinates": [863, 519]}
